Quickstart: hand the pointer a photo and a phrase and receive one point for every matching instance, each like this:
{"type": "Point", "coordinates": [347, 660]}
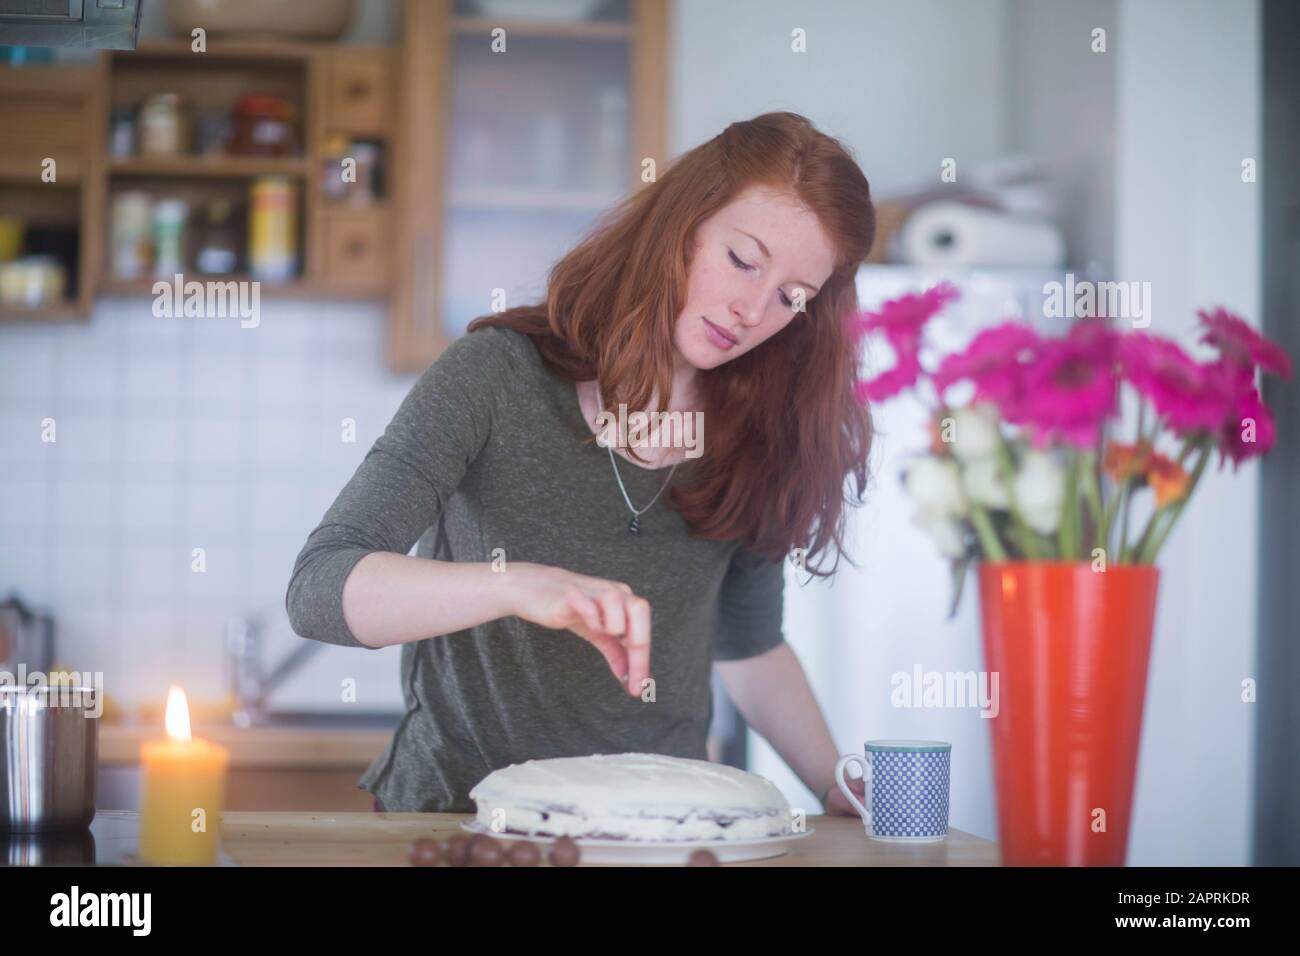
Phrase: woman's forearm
{"type": "Point", "coordinates": [772, 693]}
{"type": "Point", "coordinates": [393, 598]}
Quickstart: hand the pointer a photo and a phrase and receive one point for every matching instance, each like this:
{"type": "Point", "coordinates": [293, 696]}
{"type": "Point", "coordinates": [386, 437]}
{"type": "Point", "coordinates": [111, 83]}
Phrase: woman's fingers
{"type": "Point", "coordinates": [637, 642]}
{"type": "Point", "coordinates": [612, 613]}
{"type": "Point", "coordinates": [613, 652]}
{"type": "Point", "coordinates": [611, 606]}
{"type": "Point", "coordinates": [585, 608]}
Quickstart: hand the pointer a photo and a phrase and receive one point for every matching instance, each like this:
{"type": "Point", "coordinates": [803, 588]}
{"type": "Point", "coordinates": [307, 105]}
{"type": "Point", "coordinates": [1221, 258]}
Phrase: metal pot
{"type": "Point", "coordinates": [26, 638]}
{"type": "Point", "coordinates": [49, 748]}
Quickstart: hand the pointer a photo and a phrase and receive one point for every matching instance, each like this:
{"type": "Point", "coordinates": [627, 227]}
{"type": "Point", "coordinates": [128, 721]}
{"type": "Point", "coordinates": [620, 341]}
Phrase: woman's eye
{"type": "Point", "coordinates": [739, 265]}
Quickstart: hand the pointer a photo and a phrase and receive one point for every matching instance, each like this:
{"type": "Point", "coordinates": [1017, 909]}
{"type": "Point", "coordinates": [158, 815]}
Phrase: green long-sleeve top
{"type": "Point", "coordinates": [484, 460]}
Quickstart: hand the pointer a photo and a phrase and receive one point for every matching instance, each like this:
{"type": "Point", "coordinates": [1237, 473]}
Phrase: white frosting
{"type": "Point", "coordinates": [631, 796]}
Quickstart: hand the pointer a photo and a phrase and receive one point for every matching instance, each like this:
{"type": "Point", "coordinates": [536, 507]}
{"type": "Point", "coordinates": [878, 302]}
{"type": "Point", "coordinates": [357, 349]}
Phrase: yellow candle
{"type": "Point", "coordinates": [182, 791]}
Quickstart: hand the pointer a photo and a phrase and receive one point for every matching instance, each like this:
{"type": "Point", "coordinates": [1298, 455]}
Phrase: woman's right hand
{"type": "Point", "coordinates": [604, 613]}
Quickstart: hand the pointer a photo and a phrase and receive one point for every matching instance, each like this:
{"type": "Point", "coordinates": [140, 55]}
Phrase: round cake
{"type": "Point", "coordinates": [646, 797]}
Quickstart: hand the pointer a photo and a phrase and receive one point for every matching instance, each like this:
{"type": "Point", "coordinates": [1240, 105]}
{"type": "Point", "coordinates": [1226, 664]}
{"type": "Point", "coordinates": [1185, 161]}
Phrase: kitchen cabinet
{"type": "Point", "coordinates": [514, 136]}
{"type": "Point", "coordinates": [62, 114]}
{"type": "Point", "coordinates": [495, 159]}
{"type": "Point", "coordinates": [51, 190]}
{"type": "Point", "coordinates": [330, 92]}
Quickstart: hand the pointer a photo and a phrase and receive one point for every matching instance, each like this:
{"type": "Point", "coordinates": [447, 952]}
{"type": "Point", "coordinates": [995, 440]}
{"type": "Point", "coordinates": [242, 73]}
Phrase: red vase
{"type": "Point", "coordinates": [1070, 646]}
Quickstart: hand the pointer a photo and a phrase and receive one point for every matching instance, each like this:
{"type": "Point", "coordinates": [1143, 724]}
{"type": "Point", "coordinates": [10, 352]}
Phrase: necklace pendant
{"type": "Point", "coordinates": [634, 526]}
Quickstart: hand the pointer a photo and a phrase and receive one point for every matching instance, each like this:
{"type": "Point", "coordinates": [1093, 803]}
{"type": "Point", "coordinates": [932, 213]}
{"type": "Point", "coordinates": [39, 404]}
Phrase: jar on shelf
{"type": "Point", "coordinates": [261, 125]}
{"type": "Point", "coordinates": [364, 191]}
{"type": "Point", "coordinates": [169, 217]}
{"type": "Point", "coordinates": [122, 136]}
{"type": "Point", "coordinates": [272, 229]}
{"type": "Point", "coordinates": [164, 125]}
{"type": "Point", "coordinates": [218, 240]}
{"type": "Point", "coordinates": [33, 282]}
{"type": "Point", "coordinates": [132, 248]}
{"type": "Point", "coordinates": [333, 153]}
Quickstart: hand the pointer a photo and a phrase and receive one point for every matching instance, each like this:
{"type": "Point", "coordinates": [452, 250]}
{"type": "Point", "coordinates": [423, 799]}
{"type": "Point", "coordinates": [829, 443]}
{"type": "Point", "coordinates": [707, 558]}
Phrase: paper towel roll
{"type": "Point", "coordinates": [955, 234]}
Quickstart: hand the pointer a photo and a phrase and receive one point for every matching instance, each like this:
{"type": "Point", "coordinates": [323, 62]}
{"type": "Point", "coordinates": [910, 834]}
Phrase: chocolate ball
{"type": "Point", "coordinates": [425, 852]}
{"type": "Point", "coordinates": [485, 851]}
{"type": "Point", "coordinates": [456, 852]}
{"type": "Point", "coordinates": [702, 858]}
{"type": "Point", "coordinates": [564, 852]}
{"type": "Point", "coordinates": [523, 853]}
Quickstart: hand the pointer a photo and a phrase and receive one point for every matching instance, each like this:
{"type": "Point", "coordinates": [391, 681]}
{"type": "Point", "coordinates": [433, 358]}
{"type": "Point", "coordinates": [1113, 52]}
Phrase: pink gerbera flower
{"type": "Point", "coordinates": [901, 320]}
{"type": "Point", "coordinates": [1070, 390]}
{"type": "Point", "coordinates": [995, 361]}
{"type": "Point", "coordinates": [1182, 391]}
{"type": "Point", "coordinates": [1238, 341]}
{"type": "Point", "coordinates": [1249, 431]}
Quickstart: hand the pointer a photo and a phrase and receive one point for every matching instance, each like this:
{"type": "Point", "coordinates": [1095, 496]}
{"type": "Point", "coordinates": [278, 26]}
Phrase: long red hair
{"type": "Point", "coordinates": [785, 428]}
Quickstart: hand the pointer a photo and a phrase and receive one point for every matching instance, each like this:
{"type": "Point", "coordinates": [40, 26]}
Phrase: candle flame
{"type": "Point", "coordinates": [177, 719]}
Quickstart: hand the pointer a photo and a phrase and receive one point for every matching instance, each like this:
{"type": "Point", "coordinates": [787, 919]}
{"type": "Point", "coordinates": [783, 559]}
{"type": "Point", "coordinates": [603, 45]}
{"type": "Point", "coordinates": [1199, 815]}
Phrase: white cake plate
{"type": "Point", "coordinates": [673, 852]}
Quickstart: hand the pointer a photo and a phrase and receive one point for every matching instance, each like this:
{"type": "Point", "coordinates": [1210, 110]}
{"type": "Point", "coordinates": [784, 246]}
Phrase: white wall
{"type": "Point", "coordinates": [902, 84]}
{"type": "Point", "coordinates": [1189, 108]}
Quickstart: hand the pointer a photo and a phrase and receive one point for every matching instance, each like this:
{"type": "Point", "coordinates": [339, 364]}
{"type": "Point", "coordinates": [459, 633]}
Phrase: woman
{"type": "Point", "coordinates": [546, 562]}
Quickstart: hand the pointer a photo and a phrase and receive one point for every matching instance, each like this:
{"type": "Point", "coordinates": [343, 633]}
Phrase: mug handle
{"type": "Point", "coordinates": [863, 811]}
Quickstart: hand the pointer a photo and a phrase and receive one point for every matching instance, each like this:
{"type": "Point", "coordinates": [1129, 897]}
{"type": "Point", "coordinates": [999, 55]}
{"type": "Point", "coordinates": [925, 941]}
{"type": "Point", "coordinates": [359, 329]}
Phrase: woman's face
{"type": "Point", "coordinates": [751, 258]}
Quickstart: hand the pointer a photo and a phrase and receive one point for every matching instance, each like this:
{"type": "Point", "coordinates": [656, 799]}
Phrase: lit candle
{"type": "Point", "coordinates": [183, 787]}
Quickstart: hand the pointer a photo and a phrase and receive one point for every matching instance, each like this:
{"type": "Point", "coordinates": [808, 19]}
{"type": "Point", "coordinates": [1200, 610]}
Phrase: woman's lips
{"type": "Point", "coordinates": [719, 338]}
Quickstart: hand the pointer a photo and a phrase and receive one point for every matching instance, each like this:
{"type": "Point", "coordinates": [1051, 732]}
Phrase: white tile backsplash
{"type": "Point", "coordinates": [83, 439]}
{"type": "Point", "coordinates": [176, 434]}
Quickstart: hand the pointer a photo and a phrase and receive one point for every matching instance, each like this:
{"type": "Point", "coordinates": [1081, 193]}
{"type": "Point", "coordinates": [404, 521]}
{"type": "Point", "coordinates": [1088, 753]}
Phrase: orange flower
{"type": "Point", "coordinates": [1167, 479]}
{"type": "Point", "coordinates": [1165, 476]}
{"type": "Point", "coordinates": [1123, 462]}
{"type": "Point", "coordinates": [937, 445]}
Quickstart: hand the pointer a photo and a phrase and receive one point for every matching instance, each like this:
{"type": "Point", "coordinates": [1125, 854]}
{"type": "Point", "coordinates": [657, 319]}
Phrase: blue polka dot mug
{"type": "Point", "coordinates": [906, 789]}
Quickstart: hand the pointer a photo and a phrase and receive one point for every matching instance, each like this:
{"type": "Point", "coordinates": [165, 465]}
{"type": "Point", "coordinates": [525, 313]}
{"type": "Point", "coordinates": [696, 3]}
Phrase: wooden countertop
{"type": "Point", "coordinates": [263, 746]}
{"type": "Point", "coordinates": [382, 839]}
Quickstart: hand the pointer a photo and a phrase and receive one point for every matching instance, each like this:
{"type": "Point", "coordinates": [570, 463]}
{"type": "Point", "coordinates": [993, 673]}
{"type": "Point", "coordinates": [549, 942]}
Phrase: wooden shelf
{"type": "Point", "coordinates": [300, 287]}
{"type": "Point", "coordinates": [556, 29]}
{"type": "Point", "coordinates": [180, 48]}
{"type": "Point", "coordinates": [209, 167]}
{"type": "Point", "coordinates": [68, 309]}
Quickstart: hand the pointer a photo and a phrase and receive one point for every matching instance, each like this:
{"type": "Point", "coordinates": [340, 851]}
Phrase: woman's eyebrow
{"type": "Point", "coordinates": [762, 247]}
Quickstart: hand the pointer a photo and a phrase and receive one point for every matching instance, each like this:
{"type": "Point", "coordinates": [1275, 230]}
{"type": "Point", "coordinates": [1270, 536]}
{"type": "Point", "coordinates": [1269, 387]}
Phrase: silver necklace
{"type": "Point", "coordinates": [634, 526]}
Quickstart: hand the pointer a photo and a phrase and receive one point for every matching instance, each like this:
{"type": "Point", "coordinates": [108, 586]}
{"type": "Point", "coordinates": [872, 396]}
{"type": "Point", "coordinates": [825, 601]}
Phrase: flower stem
{"type": "Point", "coordinates": [987, 534]}
{"type": "Point", "coordinates": [1019, 529]}
{"type": "Point", "coordinates": [1070, 531]}
{"type": "Point", "coordinates": [1125, 493]}
{"type": "Point", "coordinates": [1092, 490]}
{"type": "Point", "coordinates": [1152, 547]}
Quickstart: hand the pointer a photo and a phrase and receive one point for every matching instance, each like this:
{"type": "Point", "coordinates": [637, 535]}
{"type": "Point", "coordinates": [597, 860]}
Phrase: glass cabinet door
{"type": "Point", "coordinates": [538, 145]}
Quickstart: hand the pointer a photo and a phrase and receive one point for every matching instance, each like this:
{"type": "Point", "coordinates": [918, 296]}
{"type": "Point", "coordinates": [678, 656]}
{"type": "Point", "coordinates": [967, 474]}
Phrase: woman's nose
{"type": "Point", "coordinates": [748, 310]}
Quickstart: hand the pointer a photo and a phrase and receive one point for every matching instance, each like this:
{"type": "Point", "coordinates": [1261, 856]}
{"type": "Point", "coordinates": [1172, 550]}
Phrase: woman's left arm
{"type": "Point", "coordinates": [772, 693]}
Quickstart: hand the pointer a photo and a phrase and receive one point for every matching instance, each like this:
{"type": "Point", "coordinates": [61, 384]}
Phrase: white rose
{"type": "Point", "coordinates": [983, 482]}
{"type": "Point", "coordinates": [934, 484]}
{"type": "Point", "coordinates": [948, 534]}
{"type": "Point", "coordinates": [975, 432]}
{"type": "Point", "coordinates": [1040, 490]}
